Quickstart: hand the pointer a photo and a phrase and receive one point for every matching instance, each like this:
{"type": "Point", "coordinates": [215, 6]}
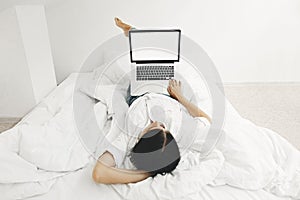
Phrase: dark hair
{"type": "Point", "coordinates": [156, 152]}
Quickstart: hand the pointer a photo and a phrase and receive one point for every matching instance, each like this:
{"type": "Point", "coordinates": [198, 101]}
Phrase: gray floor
{"type": "Point", "coordinates": [275, 106]}
{"type": "Point", "coordinates": [7, 123]}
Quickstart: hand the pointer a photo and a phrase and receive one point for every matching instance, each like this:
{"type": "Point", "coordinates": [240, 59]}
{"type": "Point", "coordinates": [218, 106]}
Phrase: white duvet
{"type": "Point", "coordinates": [45, 145]}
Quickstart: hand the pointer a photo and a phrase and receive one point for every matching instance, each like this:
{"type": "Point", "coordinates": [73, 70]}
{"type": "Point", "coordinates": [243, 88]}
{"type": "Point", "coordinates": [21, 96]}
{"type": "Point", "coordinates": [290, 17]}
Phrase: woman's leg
{"type": "Point", "coordinates": [130, 99]}
{"type": "Point", "coordinates": [125, 27]}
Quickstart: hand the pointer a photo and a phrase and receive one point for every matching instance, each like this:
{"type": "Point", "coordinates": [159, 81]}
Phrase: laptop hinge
{"type": "Point", "coordinates": [154, 62]}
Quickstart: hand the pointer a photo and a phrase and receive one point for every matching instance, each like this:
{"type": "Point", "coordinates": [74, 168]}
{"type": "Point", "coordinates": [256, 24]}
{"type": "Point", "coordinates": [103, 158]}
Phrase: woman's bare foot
{"type": "Point", "coordinates": [123, 26]}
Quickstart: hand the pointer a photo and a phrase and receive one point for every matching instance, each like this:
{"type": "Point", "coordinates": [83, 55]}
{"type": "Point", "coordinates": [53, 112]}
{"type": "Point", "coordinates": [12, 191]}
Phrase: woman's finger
{"type": "Point", "coordinates": [173, 82]}
{"type": "Point", "coordinates": [169, 90]}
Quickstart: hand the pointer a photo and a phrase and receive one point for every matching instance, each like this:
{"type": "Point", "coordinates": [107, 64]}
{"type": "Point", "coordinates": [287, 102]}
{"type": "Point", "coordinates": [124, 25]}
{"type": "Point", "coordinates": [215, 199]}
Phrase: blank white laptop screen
{"type": "Point", "coordinates": [153, 45]}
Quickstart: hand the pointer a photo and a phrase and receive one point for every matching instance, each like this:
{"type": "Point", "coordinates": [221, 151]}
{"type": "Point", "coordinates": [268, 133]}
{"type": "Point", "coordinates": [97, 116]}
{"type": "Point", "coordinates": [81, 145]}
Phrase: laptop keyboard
{"type": "Point", "coordinates": [150, 72]}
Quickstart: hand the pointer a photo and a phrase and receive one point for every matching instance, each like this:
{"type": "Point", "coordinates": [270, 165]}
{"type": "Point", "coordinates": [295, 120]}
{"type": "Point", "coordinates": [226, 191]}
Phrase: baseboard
{"type": "Point", "coordinates": [261, 83]}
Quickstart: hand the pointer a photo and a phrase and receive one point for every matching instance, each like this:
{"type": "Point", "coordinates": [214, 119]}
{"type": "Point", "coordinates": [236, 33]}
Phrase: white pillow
{"type": "Point", "coordinates": [110, 95]}
{"type": "Point", "coordinates": [112, 73]}
{"type": "Point", "coordinates": [192, 173]}
{"type": "Point", "coordinates": [108, 83]}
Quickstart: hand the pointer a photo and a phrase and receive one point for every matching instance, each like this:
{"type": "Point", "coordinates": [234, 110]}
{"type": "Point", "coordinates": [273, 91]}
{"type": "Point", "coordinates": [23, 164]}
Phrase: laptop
{"type": "Point", "coordinates": [154, 55]}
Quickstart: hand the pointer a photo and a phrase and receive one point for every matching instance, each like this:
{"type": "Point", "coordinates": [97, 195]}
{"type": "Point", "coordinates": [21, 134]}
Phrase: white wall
{"type": "Point", "coordinates": [26, 68]}
{"type": "Point", "coordinates": [16, 93]}
{"type": "Point", "coordinates": [249, 41]}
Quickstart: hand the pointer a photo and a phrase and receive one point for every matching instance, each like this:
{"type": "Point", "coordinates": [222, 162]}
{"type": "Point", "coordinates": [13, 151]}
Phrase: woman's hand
{"type": "Point", "coordinates": [174, 89]}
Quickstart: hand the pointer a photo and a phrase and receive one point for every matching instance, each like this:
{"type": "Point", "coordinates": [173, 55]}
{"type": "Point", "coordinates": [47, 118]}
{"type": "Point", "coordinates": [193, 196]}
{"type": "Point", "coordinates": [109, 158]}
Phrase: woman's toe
{"type": "Point", "coordinates": [117, 20]}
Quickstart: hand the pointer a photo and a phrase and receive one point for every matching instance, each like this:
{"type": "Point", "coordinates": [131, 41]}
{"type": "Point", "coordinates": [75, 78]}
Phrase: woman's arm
{"type": "Point", "coordinates": [174, 90]}
{"type": "Point", "coordinates": [106, 172]}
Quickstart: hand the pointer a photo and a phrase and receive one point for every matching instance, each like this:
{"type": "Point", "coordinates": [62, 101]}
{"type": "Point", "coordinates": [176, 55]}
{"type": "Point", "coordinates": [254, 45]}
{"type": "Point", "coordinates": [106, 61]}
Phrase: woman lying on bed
{"type": "Point", "coordinates": [156, 145]}
{"type": "Point", "coordinates": [156, 150]}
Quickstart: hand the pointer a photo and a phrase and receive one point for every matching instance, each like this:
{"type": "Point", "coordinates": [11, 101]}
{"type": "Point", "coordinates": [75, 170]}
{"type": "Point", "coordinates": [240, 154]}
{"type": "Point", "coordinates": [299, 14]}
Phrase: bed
{"type": "Point", "coordinates": [43, 158]}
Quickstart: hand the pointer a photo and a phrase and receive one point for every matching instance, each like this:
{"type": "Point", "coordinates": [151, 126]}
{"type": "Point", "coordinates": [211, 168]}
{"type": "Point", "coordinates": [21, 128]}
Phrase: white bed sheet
{"type": "Point", "coordinates": [79, 184]}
